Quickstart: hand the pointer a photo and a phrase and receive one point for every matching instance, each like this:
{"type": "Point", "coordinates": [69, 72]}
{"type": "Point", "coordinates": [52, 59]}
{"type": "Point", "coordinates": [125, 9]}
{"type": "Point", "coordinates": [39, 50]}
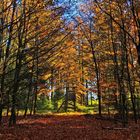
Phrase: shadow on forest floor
{"type": "Point", "coordinates": [71, 127]}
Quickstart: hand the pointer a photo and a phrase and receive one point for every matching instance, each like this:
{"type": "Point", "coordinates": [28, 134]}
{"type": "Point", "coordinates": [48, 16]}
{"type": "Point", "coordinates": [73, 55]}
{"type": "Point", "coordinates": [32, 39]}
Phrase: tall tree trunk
{"type": "Point", "coordinates": [98, 80]}
{"type": "Point", "coordinates": [12, 120]}
{"type": "Point", "coordinates": [52, 85]}
{"type": "Point", "coordinates": [28, 95]}
{"type": "Point", "coordinates": [87, 94]}
{"type": "Point", "coordinates": [6, 57]}
{"type": "Point", "coordinates": [37, 69]}
{"type": "Point", "coordinates": [66, 99]}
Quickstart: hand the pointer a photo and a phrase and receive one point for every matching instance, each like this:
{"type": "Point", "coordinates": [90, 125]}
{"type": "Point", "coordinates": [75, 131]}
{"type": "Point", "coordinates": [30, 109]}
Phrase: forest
{"type": "Point", "coordinates": [69, 69]}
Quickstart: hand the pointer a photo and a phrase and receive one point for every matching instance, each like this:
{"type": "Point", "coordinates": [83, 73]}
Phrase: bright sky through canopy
{"type": "Point", "coordinates": [72, 7]}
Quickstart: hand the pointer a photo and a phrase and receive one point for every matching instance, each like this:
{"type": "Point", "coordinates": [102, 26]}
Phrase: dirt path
{"type": "Point", "coordinates": [66, 128]}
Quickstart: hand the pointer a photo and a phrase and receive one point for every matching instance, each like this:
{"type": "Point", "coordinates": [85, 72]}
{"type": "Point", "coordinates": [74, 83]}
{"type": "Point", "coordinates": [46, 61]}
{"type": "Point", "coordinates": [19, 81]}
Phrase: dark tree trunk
{"type": "Point", "coordinates": [66, 99]}
{"type": "Point", "coordinates": [28, 96]}
{"type": "Point", "coordinates": [98, 80]}
{"type": "Point", "coordinates": [87, 94]}
{"type": "Point", "coordinates": [138, 52]}
{"type": "Point", "coordinates": [6, 57]}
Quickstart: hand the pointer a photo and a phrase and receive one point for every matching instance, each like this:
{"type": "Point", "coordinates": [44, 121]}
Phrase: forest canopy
{"type": "Point", "coordinates": [72, 55]}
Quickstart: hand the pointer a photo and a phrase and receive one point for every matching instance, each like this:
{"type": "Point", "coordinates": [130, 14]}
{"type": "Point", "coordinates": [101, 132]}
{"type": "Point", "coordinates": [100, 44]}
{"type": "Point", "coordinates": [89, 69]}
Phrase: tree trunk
{"type": "Point", "coordinates": [66, 99]}
{"type": "Point", "coordinates": [28, 96]}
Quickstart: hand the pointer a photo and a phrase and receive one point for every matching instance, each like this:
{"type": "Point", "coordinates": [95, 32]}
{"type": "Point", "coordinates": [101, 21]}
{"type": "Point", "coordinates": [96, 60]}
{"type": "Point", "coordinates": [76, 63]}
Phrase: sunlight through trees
{"type": "Point", "coordinates": [63, 56]}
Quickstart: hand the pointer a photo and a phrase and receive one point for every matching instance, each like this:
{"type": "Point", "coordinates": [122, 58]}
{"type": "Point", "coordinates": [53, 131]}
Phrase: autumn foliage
{"type": "Point", "coordinates": [69, 56]}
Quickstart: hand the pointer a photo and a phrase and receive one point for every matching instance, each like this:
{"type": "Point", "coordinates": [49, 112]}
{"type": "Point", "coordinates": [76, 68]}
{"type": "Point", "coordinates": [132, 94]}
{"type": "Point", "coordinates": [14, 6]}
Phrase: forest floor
{"type": "Point", "coordinates": [70, 127]}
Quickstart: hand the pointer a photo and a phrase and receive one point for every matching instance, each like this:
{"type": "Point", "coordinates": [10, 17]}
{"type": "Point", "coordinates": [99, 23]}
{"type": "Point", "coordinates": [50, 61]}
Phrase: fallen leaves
{"type": "Point", "coordinates": [70, 127]}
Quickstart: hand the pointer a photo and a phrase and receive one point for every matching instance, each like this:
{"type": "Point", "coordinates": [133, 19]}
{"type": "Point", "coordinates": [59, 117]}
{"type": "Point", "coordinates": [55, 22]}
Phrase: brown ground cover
{"type": "Point", "coordinates": [71, 127]}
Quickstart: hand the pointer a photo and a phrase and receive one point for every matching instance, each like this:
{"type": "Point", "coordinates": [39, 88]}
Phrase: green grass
{"type": "Point", "coordinates": [47, 107]}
